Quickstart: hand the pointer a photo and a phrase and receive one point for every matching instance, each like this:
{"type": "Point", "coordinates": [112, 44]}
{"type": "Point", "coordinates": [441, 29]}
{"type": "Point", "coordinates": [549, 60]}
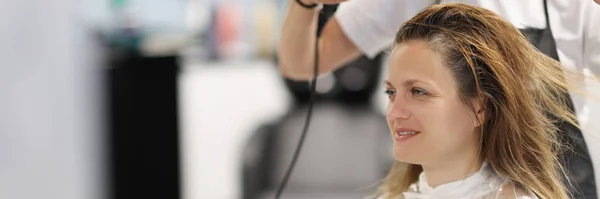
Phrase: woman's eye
{"type": "Point", "coordinates": [390, 93]}
{"type": "Point", "coordinates": [419, 92]}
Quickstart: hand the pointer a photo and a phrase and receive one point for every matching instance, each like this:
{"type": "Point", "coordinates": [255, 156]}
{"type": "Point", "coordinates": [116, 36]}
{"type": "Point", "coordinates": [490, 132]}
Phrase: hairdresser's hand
{"type": "Point", "coordinates": [310, 2]}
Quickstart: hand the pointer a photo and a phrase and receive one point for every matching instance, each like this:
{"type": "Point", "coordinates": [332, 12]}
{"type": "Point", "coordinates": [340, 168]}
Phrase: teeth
{"type": "Point", "coordinates": [407, 133]}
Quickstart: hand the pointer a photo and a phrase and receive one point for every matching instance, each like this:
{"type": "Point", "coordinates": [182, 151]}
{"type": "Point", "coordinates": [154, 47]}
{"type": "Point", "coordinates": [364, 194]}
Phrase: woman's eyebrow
{"type": "Point", "coordinates": [388, 83]}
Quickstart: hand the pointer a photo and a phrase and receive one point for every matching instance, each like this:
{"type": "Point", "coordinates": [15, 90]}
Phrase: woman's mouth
{"type": "Point", "coordinates": [403, 135]}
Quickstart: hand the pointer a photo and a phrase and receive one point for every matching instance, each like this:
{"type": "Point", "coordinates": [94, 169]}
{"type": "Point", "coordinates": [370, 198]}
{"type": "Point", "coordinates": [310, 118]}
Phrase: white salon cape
{"type": "Point", "coordinates": [483, 184]}
{"type": "Point", "coordinates": [372, 24]}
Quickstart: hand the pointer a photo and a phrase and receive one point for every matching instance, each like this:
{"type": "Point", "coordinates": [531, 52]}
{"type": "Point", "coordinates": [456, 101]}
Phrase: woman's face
{"type": "Point", "coordinates": [428, 121]}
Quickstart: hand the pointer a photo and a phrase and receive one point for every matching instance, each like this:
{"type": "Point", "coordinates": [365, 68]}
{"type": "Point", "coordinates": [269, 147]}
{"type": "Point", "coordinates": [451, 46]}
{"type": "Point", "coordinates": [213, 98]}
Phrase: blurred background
{"type": "Point", "coordinates": [127, 99]}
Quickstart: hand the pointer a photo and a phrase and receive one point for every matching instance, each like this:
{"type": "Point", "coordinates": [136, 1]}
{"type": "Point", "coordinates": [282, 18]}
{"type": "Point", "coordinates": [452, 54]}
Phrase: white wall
{"type": "Point", "coordinates": [221, 105]}
{"type": "Point", "coordinates": [49, 103]}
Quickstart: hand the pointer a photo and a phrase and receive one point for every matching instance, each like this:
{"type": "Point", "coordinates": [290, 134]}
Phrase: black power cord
{"type": "Point", "coordinates": [323, 16]}
{"type": "Point", "coordinates": [311, 103]}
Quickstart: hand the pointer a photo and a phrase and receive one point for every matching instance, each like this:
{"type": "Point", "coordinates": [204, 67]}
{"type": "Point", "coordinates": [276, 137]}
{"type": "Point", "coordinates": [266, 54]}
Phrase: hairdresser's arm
{"type": "Point", "coordinates": [358, 27]}
{"type": "Point", "coordinates": [297, 42]}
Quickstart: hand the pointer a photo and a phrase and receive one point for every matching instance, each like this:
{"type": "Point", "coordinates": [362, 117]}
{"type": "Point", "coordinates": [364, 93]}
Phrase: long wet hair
{"type": "Point", "coordinates": [522, 90]}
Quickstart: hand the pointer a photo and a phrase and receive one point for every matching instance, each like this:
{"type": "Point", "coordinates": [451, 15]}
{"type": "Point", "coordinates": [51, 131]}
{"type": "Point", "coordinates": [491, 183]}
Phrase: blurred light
{"type": "Point", "coordinates": [353, 79]}
{"type": "Point", "coordinates": [325, 83]}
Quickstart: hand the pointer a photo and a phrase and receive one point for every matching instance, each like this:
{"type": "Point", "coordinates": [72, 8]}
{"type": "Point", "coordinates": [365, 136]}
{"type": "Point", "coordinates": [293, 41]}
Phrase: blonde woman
{"type": "Point", "coordinates": [471, 110]}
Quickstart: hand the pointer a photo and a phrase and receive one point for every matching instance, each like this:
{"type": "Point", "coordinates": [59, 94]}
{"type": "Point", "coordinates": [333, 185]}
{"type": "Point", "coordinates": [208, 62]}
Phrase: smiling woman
{"type": "Point", "coordinates": [424, 98]}
{"type": "Point", "coordinates": [471, 106]}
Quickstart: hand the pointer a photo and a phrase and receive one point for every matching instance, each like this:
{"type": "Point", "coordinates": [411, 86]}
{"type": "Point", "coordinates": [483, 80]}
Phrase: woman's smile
{"type": "Point", "coordinates": [403, 134]}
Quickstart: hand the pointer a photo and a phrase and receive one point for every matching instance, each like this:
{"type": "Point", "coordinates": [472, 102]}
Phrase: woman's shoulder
{"type": "Point", "coordinates": [513, 190]}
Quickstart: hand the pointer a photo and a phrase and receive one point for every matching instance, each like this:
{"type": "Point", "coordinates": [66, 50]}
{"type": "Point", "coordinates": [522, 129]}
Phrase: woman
{"type": "Point", "coordinates": [471, 110]}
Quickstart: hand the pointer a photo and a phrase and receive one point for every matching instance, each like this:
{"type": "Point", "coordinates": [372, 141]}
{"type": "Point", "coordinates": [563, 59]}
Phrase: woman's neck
{"type": "Point", "coordinates": [450, 171]}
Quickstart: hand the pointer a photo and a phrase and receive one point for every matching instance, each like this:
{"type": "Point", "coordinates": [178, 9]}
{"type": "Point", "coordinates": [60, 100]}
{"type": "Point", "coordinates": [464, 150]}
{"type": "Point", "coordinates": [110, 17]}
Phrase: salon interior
{"type": "Point", "coordinates": [183, 99]}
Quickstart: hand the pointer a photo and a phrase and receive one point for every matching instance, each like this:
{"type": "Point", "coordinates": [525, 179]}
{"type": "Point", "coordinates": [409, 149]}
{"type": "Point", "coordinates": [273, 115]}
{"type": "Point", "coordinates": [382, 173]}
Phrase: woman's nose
{"type": "Point", "coordinates": [398, 108]}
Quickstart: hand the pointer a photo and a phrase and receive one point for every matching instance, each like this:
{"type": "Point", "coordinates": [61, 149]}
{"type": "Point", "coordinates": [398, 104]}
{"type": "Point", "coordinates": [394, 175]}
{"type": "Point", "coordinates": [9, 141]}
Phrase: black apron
{"type": "Point", "coordinates": [577, 160]}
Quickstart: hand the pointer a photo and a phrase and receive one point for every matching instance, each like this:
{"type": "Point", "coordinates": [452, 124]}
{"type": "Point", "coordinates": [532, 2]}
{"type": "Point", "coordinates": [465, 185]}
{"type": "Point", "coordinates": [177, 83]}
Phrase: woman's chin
{"type": "Point", "coordinates": [406, 157]}
{"type": "Point", "coordinates": [402, 156]}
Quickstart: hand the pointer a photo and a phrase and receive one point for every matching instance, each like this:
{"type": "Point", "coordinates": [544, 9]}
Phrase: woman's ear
{"type": "Point", "coordinates": [480, 111]}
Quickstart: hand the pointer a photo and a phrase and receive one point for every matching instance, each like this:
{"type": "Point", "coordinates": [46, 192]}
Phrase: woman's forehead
{"type": "Point", "coordinates": [412, 57]}
{"type": "Point", "coordinates": [414, 61]}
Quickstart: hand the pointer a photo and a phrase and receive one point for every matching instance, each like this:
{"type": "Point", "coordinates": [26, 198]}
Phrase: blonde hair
{"type": "Point", "coordinates": [522, 89]}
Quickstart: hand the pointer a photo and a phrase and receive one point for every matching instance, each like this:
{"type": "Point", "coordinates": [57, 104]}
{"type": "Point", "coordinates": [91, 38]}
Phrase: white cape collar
{"type": "Point", "coordinates": [478, 184]}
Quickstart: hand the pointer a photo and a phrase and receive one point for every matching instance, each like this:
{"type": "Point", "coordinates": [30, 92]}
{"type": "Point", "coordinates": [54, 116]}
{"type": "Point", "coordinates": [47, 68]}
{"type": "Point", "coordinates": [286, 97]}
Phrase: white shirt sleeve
{"type": "Point", "coordinates": [372, 24]}
{"type": "Point", "coordinates": [591, 34]}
